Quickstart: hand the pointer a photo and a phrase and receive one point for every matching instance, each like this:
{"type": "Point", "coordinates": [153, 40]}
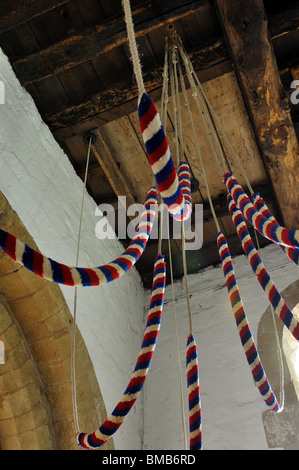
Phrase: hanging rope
{"type": "Point", "coordinates": [195, 423]}
{"type": "Point", "coordinates": [74, 276]}
{"type": "Point", "coordinates": [260, 205]}
{"type": "Point", "coordinates": [187, 104]}
{"type": "Point", "coordinates": [73, 353]}
{"type": "Point", "coordinates": [161, 160]}
{"type": "Point", "coordinates": [247, 341]}
{"type": "Point", "coordinates": [164, 103]}
{"type": "Point", "coordinates": [133, 46]}
{"type": "Point", "coordinates": [279, 305]}
{"type": "Point", "coordinates": [117, 417]}
{"type": "Point", "coordinates": [266, 227]}
{"type": "Point", "coordinates": [278, 347]}
{"type": "Point", "coordinates": [154, 137]}
{"type": "Point", "coordinates": [244, 330]}
{"type": "Point", "coordinates": [177, 343]}
{"type": "Point", "coordinates": [206, 112]}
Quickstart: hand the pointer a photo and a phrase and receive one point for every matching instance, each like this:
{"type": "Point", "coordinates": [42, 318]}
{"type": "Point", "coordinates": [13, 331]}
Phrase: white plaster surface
{"type": "Point", "coordinates": [231, 404]}
{"type": "Point", "coordinates": [41, 185]}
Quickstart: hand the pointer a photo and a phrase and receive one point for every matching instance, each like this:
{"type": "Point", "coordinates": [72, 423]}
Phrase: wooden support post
{"type": "Point", "coordinates": [245, 28]}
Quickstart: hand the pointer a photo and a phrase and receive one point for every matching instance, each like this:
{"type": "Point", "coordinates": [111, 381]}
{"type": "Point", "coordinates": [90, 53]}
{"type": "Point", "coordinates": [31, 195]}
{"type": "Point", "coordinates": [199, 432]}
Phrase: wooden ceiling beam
{"type": "Point", "coordinates": [102, 38]}
{"type": "Point", "coordinates": [213, 55]}
{"type": "Point", "coordinates": [16, 12]}
{"type": "Point", "coordinates": [245, 28]}
{"type": "Point", "coordinates": [283, 23]}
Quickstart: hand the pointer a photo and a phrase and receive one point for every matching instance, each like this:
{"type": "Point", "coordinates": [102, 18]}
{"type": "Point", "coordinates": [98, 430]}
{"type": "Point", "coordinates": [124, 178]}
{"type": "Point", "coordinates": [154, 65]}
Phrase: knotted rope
{"type": "Point", "coordinates": [75, 276]}
{"type": "Point", "coordinates": [279, 305]}
{"type": "Point", "coordinates": [117, 417]}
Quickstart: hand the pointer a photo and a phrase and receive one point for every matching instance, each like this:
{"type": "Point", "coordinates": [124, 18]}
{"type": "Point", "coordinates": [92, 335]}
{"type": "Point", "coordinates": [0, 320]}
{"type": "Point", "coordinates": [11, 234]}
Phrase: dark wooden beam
{"type": "Point", "coordinates": [125, 91]}
{"type": "Point", "coordinates": [99, 39]}
{"type": "Point", "coordinates": [283, 23]}
{"type": "Point", "coordinates": [246, 31]}
{"type": "Point", "coordinates": [16, 12]}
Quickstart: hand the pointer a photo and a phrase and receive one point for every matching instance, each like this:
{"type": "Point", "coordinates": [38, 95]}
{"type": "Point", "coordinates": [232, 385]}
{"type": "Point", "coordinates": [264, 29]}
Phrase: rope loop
{"type": "Point", "coordinates": [75, 276]}
{"type": "Point", "coordinates": [244, 330]}
{"type": "Point", "coordinates": [117, 417]}
{"type": "Point", "coordinates": [269, 229]}
{"type": "Point", "coordinates": [161, 162]}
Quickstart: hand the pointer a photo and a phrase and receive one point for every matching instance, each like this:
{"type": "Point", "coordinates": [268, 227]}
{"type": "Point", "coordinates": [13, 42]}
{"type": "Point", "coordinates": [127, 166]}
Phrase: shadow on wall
{"type": "Point", "coordinates": [36, 410]}
{"type": "Point", "coordinates": [281, 429]}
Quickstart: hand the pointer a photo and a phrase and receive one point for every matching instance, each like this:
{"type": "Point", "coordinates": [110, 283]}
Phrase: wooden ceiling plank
{"type": "Point", "coordinates": [103, 152]}
{"type": "Point", "coordinates": [101, 38]}
{"type": "Point", "coordinates": [18, 12]}
{"type": "Point", "coordinates": [283, 23]}
{"type": "Point", "coordinates": [124, 91]}
{"type": "Point", "coordinates": [245, 26]}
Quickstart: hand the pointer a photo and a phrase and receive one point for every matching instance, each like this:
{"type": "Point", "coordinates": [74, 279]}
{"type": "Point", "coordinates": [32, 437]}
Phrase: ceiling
{"type": "Point", "coordinates": [73, 58]}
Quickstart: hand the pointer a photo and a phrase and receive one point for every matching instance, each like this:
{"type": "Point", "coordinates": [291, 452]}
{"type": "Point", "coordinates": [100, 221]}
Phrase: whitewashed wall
{"type": "Point", "coordinates": [231, 404]}
{"type": "Point", "coordinates": [41, 185]}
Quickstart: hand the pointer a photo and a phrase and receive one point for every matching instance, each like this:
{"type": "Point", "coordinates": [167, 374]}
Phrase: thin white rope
{"type": "Point", "coordinates": [75, 407]}
{"type": "Point", "coordinates": [180, 140]}
{"type": "Point", "coordinates": [201, 108]}
{"type": "Point", "coordinates": [177, 345]}
{"type": "Point", "coordinates": [186, 277]}
{"type": "Point", "coordinates": [216, 120]}
{"type": "Point", "coordinates": [174, 103]}
{"type": "Point", "coordinates": [210, 108]}
{"type": "Point", "coordinates": [133, 46]}
{"type": "Point", "coordinates": [164, 109]}
{"type": "Point", "coordinates": [198, 148]}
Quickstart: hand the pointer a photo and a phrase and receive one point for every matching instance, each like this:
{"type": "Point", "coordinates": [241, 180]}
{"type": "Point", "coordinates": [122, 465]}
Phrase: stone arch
{"type": "Point", "coordinates": [281, 429]}
{"type": "Point", "coordinates": [36, 410]}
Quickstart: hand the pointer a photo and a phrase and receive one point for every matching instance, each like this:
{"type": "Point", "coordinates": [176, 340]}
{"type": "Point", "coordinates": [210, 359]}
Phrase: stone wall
{"type": "Point", "coordinates": [43, 189]}
{"type": "Point", "coordinates": [36, 326]}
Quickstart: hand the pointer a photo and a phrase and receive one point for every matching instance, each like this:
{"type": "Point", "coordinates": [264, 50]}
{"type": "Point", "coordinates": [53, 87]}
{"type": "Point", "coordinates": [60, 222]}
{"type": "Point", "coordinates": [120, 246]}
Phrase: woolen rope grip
{"type": "Point", "coordinates": [174, 190]}
{"type": "Point", "coordinates": [250, 350]}
{"type": "Point", "coordinates": [279, 305]}
{"type": "Point", "coordinates": [74, 276]}
{"type": "Point", "coordinates": [112, 424]}
{"type": "Point", "coordinates": [261, 206]}
{"type": "Point", "coordinates": [195, 424]}
{"type": "Point", "coordinates": [269, 229]}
